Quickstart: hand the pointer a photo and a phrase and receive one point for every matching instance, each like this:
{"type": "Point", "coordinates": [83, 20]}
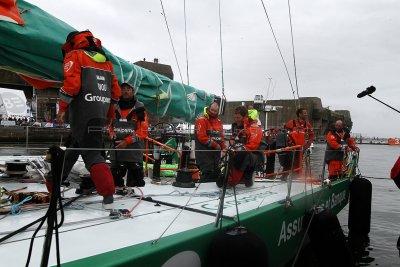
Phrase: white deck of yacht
{"type": "Point", "coordinates": [88, 230]}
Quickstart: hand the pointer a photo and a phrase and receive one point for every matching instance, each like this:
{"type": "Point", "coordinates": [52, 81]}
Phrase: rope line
{"type": "Point", "coordinates": [186, 42]}
{"type": "Point", "coordinates": [170, 39]}
{"type": "Point", "coordinates": [221, 52]}
{"type": "Point", "coordinates": [176, 217]}
{"type": "Point", "coordinates": [293, 50]}
{"type": "Point", "coordinates": [16, 208]}
{"type": "Point", "coordinates": [377, 178]}
{"type": "Point", "coordinates": [279, 49]}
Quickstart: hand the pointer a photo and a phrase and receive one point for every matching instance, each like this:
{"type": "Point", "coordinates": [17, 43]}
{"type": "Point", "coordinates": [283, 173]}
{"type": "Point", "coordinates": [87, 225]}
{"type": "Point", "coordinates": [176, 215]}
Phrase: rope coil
{"type": "Point", "coordinates": [16, 208]}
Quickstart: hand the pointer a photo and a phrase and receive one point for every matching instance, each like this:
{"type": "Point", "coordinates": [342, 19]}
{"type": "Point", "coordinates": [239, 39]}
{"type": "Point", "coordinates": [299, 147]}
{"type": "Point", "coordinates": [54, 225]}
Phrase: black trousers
{"type": "Point", "coordinates": [246, 162]}
{"type": "Point", "coordinates": [286, 159]}
{"type": "Point", "coordinates": [270, 166]}
{"type": "Point", "coordinates": [135, 173]}
{"type": "Point", "coordinates": [90, 157]}
{"type": "Point", "coordinates": [209, 165]}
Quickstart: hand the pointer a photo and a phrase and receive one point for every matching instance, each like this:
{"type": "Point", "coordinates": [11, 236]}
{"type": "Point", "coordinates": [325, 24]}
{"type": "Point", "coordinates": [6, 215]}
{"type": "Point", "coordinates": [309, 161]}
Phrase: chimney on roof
{"type": "Point", "coordinates": [156, 60]}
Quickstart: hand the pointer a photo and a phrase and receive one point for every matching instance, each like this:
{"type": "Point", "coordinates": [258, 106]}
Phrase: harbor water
{"type": "Point", "coordinates": [375, 163]}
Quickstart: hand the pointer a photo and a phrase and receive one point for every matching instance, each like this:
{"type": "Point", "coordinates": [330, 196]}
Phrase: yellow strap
{"type": "Point", "coordinates": [98, 57]}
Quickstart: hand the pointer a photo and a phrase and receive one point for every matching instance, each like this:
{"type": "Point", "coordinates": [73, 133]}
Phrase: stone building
{"type": "Point", "coordinates": [157, 67]}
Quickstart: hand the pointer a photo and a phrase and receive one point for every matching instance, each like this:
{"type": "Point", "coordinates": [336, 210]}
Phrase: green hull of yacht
{"type": "Point", "coordinates": [281, 228]}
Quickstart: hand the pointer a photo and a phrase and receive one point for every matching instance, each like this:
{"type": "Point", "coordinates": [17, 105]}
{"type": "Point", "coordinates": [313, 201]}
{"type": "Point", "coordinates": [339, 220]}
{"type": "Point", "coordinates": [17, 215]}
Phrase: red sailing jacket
{"type": "Point", "coordinates": [334, 140]}
{"type": "Point", "coordinates": [209, 132]}
{"type": "Point", "coordinates": [254, 135]}
{"type": "Point", "coordinates": [300, 132]}
{"type": "Point", "coordinates": [74, 61]}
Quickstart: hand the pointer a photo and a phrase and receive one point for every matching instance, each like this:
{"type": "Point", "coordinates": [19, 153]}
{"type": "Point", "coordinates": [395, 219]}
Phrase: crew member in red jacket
{"type": "Point", "coordinates": [89, 93]}
{"type": "Point", "coordinates": [129, 130]}
{"type": "Point", "coordinates": [209, 142]}
{"type": "Point", "coordinates": [337, 141]}
{"type": "Point", "coordinates": [240, 118]}
{"type": "Point", "coordinates": [300, 132]}
{"type": "Point", "coordinates": [247, 151]}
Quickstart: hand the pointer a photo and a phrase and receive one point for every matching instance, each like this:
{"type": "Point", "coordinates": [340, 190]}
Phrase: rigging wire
{"type": "Point", "coordinates": [221, 52]}
{"type": "Point", "coordinates": [293, 50]}
{"type": "Point", "coordinates": [269, 86]}
{"type": "Point", "coordinates": [279, 49]}
{"type": "Point", "coordinates": [186, 42]}
{"type": "Point", "coordinates": [176, 217]}
{"type": "Point", "coordinates": [378, 178]}
{"type": "Point", "coordinates": [273, 90]}
{"type": "Point", "coordinates": [170, 39]}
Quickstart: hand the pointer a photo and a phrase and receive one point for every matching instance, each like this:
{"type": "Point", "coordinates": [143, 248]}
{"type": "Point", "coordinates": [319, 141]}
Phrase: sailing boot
{"type": "Point", "coordinates": [248, 179]}
{"type": "Point", "coordinates": [108, 202]}
{"type": "Point", "coordinates": [86, 186]}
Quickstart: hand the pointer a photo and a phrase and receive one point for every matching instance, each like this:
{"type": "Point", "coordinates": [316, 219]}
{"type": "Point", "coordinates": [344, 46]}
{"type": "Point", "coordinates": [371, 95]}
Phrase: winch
{"type": "Point", "coordinates": [16, 168]}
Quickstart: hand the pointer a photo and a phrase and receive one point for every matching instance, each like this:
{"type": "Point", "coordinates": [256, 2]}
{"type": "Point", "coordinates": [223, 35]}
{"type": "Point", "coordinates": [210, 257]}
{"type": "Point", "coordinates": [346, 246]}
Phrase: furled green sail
{"type": "Point", "coordinates": [34, 50]}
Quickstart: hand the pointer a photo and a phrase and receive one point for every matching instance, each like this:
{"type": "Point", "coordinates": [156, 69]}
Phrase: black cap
{"type": "Point", "coordinates": [70, 35]}
{"type": "Point", "coordinates": [127, 84]}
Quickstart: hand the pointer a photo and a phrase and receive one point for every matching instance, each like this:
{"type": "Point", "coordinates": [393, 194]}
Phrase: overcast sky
{"type": "Point", "coordinates": [342, 47]}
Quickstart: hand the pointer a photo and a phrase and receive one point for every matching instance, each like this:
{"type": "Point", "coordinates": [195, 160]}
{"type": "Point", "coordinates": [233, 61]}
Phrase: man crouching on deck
{"type": "Point", "coordinates": [247, 152]}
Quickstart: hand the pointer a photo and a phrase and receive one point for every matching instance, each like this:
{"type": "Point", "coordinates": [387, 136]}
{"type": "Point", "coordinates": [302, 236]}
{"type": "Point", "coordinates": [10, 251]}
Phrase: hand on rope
{"type": "Point", "coordinates": [121, 144]}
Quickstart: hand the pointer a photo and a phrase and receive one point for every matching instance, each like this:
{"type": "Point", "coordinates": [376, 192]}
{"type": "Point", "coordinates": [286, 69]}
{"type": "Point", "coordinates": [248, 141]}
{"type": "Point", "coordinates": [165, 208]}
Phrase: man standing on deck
{"type": "Point", "coordinates": [300, 132]}
{"type": "Point", "coordinates": [209, 142]}
{"type": "Point", "coordinates": [338, 140]}
{"type": "Point", "coordinates": [270, 139]}
{"type": "Point", "coordinates": [89, 93]}
{"type": "Point", "coordinates": [129, 130]}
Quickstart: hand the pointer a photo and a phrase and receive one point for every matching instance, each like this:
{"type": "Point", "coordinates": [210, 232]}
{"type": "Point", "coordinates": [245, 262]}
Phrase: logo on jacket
{"type": "Point", "coordinates": [68, 66]}
{"type": "Point", "coordinates": [97, 98]}
{"type": "Point", "coordinates": [100, 78]}
{"type": "Point", "coordinates": [102, 87]}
